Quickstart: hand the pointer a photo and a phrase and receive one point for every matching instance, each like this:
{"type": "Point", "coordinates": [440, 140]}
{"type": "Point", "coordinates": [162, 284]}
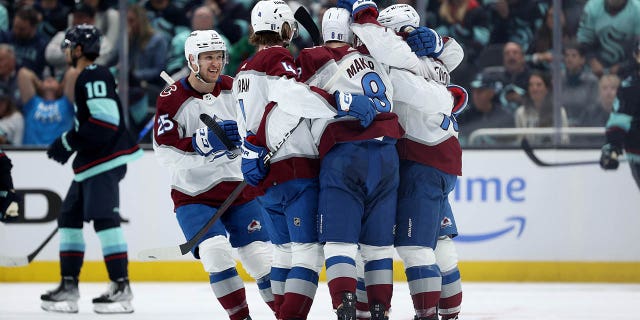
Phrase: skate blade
{"type": "Point", "coordinates": [113, 307]}
{"type": "Point", "coordinates": [60, 306]}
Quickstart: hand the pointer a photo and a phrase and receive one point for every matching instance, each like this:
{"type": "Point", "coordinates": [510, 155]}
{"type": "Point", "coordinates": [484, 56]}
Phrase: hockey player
{"type": "Point", "coordinates": [623, 127]}
{"type": "Point", "coordinates": [430, 152]}
{"type": "Point", "coordinates": [205, 172]}
{"type": "Point", "coordinates": [272, 106]}
{"type": "Point", "coordinates": [8, 199]}
{"type": "Point", "coordinates": [103, 147]}
{"type": "Point", "coordinates": [358, 171]}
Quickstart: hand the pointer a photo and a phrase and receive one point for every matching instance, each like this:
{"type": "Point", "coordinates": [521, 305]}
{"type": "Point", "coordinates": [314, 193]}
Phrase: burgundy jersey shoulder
{"type": "Point", "coordinates": [273, 61]}
{"type": "Point", "coordinates": [225, 83]}
{"type": "Point", "coordinates": [172, 97]}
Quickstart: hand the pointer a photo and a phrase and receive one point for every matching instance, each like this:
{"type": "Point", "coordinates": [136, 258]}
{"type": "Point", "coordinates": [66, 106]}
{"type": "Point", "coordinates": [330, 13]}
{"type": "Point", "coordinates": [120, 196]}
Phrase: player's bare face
{"type": "Point", "coordinates": [211, 64]}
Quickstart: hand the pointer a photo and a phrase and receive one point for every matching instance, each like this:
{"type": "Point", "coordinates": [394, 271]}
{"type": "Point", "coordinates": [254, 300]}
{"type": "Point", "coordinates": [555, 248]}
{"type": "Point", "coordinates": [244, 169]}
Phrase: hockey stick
{"type": "Point", "coordinates": [23, 261]}
{"type": "Point", "coordinates": [304, 18]}
{"type": "Point", "coordinates": [529, 151]}
{"type": "Point", "coordinates": [167, 253]}
{"type": "Point", "coordinates": [218, 131]}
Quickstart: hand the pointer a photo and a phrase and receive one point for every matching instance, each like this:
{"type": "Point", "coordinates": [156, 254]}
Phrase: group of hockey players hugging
{"type": "Point", "coordinates": [350, 151]}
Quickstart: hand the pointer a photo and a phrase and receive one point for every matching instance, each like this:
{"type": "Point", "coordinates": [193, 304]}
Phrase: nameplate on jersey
{"type": "Point", "coordinates": [359, 64]}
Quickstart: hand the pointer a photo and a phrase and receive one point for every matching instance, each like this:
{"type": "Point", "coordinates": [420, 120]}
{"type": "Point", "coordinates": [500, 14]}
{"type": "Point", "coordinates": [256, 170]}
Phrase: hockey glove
{"type": "Point", "coordinates": [356, 105]}
{"type": "Point", "coordinates": [425, 42]}
{"type": "Point", "coordinates": [356, 6]}
{"type": "Point", "coordinates": [8, 205]}
{"type": "Point", "coordinates": [205, 141]}
{"type": "Point", "coordinates": [60, 150]}
{"type": "Point", "coordinates": [253, 165]}
{"type": "Point", "coordinates": [460, 98]}
{"type": "Point", "coordinates": [609, 157]}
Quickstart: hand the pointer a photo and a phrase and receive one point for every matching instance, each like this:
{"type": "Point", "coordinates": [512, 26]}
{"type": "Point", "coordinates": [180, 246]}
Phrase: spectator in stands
{"type": "Point", "coordinates": [514, 75]}
{"type": "Point", "coordinates": [28, 43]}
{"type": "Point", "coordinates": [47, 111]}
{"type": "Point", "coordinates": [515, 20]}
{"type": "Point", "coordinates": [468, 23]}
{"type": "Point", "coordinates": [11, 120]}
{"type": "Point", "coordinates": [607, 30]}
{"type": "Point", "coordinates": [148, 51]}
{"type": "Point", "coordinates": [166, 17]}
{"type": "Point", "coordinates": [107, 20]}
{"type": "Point", "coordinates": [4, 17]}
{"type": "Point", "coordinates": [232, 18]}
{"type": "Point", "coordinates": [607, 91]}
{"type": "Point", "coordinates": [485, 110]}
{"type": "Point", "coordinates": [579, 85]}
{"type": "Point", "coordinates": [54, 17]}
{"type": "Point", "coordinates": [539, 54]}
{"type": "Point", "coordinates": [54, 53]}
{"type": "Point", "coordinates": [537, 110]}
{"type": "Point", "coordinates": [8, 72]}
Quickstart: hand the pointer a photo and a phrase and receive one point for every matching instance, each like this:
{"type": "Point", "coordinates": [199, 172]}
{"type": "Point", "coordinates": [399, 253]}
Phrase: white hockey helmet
{"type": "Point", "coordinates": [271, 15]}
{"type": "Point", "coordinates": [336, 25]}
{"type": "Point", "coordinates": [200, 41]}
{"type": "Point", "coordinates": [398, 16]}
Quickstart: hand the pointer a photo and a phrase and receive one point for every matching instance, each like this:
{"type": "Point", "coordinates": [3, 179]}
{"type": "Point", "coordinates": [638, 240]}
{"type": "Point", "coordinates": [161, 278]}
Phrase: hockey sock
{"type": "Point", "coordinates": [362, 305]}
{"type": "Point", "coordinates": [378, 278]}
{"type": "Point", "coordinates": [229, 289]}
{"type": "Point", "coordinates": [114, 250]}
{"type": "Point", "coordinates": [451, 295]}
{"type": "Point", "coordinates": [300, 289]}
{"type": "Point", "coordinates": [424, 285]}
{"type": "Point", "coordinates": [278, 280]}
{"type": "Point", "coordinates": [264, 285]}
{"type": "Point", "coordinates": [341, 277]}
{"type": "Point", "coordinates": [71, 251]}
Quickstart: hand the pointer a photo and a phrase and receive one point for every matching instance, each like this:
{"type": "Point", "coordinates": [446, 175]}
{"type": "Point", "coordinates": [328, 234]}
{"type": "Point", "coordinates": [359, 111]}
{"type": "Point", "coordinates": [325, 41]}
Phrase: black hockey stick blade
{"type": "Point", "coordinates": [168, 253]}
{"type": "Point", "coordinates": [529, 151]}
{"type": "Point", "coordinates": [217, 130]}
{"type": "Point", "coordinates": [23, 261]}
{"type": "Point", "coordinates": [304, 18]}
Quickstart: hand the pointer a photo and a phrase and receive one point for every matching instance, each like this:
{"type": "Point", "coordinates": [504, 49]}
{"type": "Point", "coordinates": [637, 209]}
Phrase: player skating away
{"type": "Point", "coordinates": [205, 173]}
{"type": "Point", "coordinates": [623, 127]}
{"type": "Point", "coordinates": [430, 152]}
{"type": "Point", "coordinates": [103, 146]}
{"type": "Point", "coordinates": [359, 168]}
{"type": "Point", "coordinates": [8, 199]}
{"type": "Point", "coordinates": [272, 106]}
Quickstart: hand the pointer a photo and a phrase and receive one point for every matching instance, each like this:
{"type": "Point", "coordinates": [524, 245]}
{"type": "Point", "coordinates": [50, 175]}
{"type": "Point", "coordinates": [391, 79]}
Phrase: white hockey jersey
{"type": "Point", "coordinates": [195, 179]}
{"type": "Point", "coordinates": [349, 70]}
{"type": "Point", "coordinates": [271, 103]}
{"type": "Point", "coordinates": [421, 100]}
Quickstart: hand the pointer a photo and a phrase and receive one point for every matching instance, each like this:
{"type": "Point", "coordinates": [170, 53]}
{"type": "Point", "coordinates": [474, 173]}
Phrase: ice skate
{"type": "Point", "coordinates": [378, 312]}
{"type": "Point", "coordinates": [64, 298]}
{"type": "Point", "coordinates": [434, 317]}
{"type": "Point", "coordinates": [117, 299]}
{"type": "Point", "coordinates": [347, 310]}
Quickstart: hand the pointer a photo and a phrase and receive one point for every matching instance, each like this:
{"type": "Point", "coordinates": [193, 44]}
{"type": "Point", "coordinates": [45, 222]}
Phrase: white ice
{"type": "Point", "coordinates": [481, 301]}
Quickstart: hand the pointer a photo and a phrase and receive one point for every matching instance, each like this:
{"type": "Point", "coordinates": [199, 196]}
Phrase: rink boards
{"type": "Point", "coordinates": [517, 221]}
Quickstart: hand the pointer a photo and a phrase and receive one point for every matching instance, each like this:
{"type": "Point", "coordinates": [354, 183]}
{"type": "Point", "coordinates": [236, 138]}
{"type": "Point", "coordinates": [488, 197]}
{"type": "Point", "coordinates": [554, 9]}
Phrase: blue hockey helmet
{"type": "Point", "coordinates": [85, 35]}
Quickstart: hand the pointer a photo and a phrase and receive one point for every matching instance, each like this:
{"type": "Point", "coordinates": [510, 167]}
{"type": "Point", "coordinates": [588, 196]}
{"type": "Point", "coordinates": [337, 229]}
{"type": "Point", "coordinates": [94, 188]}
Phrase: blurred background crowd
{"type": "Point", "coordinates": [510, 59]}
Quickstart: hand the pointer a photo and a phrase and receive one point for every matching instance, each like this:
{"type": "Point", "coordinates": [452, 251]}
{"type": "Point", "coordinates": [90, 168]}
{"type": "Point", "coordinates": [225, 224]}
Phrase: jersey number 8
{"type": "Point", "coordinates": [375, 89]}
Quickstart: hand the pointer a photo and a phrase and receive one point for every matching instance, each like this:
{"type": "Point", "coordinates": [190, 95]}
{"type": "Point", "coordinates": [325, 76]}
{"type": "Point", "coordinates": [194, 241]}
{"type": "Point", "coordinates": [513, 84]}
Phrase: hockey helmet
{"type": "Point", "coordinates": [336, 25]}
{"type": "Point", "coordinates": [85, 35]}
{"type": "Point", "coordinates": [203, 41]}
{"type": "Point", "coordinates": [398, 16]}
{"type": "Point", "coordinates": [271, 15]}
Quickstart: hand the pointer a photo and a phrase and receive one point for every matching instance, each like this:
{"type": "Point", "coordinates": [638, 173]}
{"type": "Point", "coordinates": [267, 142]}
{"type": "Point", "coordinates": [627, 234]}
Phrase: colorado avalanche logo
{"type": "Point", "coordinates": [167, 91]}
{"type": "Point", "coordinates": [446, 222]}
{"type": "Point", "coordinates": [254, 226]}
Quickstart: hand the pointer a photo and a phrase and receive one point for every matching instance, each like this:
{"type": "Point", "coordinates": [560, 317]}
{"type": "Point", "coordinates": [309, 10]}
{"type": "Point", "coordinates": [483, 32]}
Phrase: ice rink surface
{"type": "Point", "coordinates": [482, 301]}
